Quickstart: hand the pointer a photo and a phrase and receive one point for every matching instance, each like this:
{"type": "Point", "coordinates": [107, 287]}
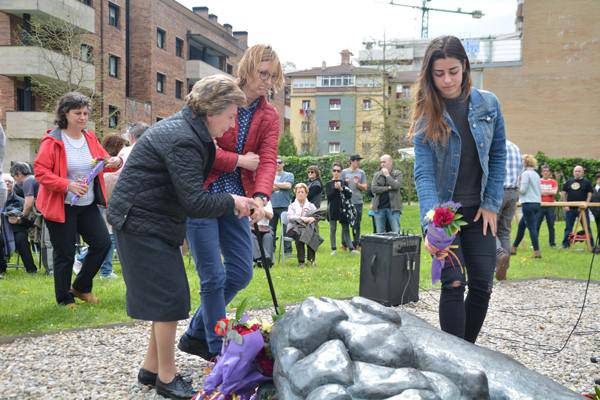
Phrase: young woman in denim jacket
{"type": "Point", "coordinates": [460, 155]}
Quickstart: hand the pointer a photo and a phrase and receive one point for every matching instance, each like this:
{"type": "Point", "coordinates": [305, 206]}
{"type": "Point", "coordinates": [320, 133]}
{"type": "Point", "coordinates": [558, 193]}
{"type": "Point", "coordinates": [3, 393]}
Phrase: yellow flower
{"type": "Point", "coordinates": [430, 214]}
{"type": "Point", "coordinates": [266, 326]}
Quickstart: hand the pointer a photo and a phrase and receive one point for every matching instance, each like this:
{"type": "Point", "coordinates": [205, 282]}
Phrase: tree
{"type": "Point", "coordinates": [287, 147]}
{"type": "Point", "coordinates": [70, 62]}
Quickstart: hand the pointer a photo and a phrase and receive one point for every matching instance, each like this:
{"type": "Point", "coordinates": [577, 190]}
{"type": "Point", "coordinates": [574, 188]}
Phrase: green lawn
{"type": "Point", "coordinates": [27, 302]}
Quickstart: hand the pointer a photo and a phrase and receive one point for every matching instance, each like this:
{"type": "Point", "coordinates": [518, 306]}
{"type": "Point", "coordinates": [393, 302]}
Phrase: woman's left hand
{"type": "Point", "coordinates": [309, 220]}
{"type": "Point", "coordinates": [490, 219]}
{"type": "Point", "coordinates": [113, 162]}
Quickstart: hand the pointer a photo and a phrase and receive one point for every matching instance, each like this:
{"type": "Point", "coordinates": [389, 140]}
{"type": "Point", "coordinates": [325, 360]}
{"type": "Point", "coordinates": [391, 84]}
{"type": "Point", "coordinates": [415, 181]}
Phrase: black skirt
{"type": "Point", "coordinates": [157, 288]}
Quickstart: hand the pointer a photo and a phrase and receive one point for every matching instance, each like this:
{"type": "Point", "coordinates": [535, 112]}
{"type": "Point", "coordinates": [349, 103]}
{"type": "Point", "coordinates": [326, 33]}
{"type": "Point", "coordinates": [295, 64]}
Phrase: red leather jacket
{"type": "Point", "coordinates": [50, 168]}
{"type": "Point", "coordinates": [262, 139]}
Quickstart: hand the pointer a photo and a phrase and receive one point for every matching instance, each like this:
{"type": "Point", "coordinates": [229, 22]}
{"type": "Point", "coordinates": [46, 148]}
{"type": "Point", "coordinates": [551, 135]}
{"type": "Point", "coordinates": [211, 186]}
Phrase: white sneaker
{"type": "Point", "coordinates": [355, 252]}
{"type": "Point", "coordinates": [112, 275]}
{"type": "Point", "coordinates": [77, 266]}
{"type": "Point", "coordinates": [334, 252]}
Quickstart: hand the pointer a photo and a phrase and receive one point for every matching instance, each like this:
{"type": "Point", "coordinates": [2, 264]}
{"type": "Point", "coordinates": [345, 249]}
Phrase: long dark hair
{"type": "Point", "coordinates": [428, 102]}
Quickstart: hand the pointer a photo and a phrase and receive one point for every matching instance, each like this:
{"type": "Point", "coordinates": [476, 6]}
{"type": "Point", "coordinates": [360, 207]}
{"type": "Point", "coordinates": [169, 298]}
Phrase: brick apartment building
{"type": "Point", "coordinates": [141, 55]}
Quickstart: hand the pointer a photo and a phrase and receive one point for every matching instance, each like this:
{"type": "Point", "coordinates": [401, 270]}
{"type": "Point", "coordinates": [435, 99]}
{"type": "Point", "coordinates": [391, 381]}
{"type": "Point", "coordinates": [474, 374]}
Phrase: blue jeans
{"type": "Point", "coordinates": [550, 215]}
{"type": "Point", "coordinates": [386, 214]}
{"type": "Point", "coordinates": [220, 278]}
{"type": "Point", "coordinates": [106, 268]}
{"type": "Point", "coordinates": [529, 220]}
{"type": "Point", "coordinates": [570, 217]}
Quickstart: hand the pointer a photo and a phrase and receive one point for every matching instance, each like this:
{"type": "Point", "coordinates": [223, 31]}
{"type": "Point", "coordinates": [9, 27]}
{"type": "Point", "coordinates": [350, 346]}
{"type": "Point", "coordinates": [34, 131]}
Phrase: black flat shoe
{"type": "Point", "coordinates": [197, 347]}
{"type": "Point", "coordinates": [146, 377]}
{"type": "Point", "coordinates": [178, 388]}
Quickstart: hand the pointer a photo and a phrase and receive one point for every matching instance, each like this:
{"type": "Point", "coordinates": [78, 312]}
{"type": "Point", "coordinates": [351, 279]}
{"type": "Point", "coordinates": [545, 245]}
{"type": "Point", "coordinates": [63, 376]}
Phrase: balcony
{"type": "Point", "coordinates": [198, 69]}
{"type": "Point", "coordinates": [27, 124]}
{"type": "Point", "coordinates": [71, 11]}
{"type": "Point", "coordinates": [42, 63]}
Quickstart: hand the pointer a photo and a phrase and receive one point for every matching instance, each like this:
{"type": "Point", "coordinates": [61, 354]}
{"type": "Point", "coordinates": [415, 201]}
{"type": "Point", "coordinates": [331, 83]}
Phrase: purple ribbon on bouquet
{"type": "Point", "coordinates": [438, 238]}
{"type": "Point", "coordinates": [235, 370]}
{"type": "Point", "coordinates": [89, 179]}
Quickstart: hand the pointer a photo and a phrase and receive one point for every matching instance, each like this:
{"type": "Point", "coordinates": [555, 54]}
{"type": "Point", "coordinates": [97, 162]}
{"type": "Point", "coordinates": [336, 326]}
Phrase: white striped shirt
{"type": "Point", "coordinates": [79, 165]}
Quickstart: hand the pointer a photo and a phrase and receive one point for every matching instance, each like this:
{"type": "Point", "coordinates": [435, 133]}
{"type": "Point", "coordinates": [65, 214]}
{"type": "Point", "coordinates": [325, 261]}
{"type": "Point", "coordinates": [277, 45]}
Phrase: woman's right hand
{"type": "Point", "coordinates": [243, 205]}
{"type": "Point", "coordinates": [79, 188]}
{"type": "Point", "coordinates": [249, 161]}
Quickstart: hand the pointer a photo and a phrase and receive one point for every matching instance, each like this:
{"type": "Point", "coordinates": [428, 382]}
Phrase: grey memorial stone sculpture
{"type": "Point", "coordinates": [342, 350]}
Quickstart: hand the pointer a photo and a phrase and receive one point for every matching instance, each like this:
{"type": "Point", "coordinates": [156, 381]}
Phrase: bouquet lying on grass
{"type": "Point", "coordinates": [443, 226]}
{"type": "Point", "coordinates": [245, 361]}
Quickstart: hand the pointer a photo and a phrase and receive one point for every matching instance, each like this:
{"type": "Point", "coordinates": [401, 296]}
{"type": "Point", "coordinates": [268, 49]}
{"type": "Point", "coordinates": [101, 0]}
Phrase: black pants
{"type": "Point", "coordinates": [301, 252]}
{"type": "Point", "coordinates": [86, 221]}
{"type": "Point", "coordinates": [477, 253]}
{"type": "Point", "coordinates": [356, 226]}
{"type": "Point", "coordinates": [550, 214]}
{"type": "Point", "coordinates": [24, 250]}
{"type": "Point", "coordinates": [277, 211]}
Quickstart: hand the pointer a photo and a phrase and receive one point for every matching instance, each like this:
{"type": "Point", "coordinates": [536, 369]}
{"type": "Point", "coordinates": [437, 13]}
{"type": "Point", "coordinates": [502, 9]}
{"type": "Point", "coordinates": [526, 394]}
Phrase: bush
{"type": "Point", "coordinates": [562, 168]}
{"type": "Point", "coordinates": [299, 165]}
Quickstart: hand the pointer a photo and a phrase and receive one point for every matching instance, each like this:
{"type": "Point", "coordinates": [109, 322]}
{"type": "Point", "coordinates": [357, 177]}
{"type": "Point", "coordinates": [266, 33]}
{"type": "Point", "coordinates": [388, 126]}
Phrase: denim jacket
{"type": "Point", "coordinates": [436, 164]}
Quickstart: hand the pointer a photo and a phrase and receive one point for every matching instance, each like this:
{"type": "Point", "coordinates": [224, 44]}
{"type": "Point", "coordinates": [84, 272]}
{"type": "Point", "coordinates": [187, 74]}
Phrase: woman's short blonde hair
{"type": "Point", "coordinates": [529, 161]}
{"type": "Point", "coordinates": [213, 94]}
{"type": "Point", "coordinates": [253, 56]}
{"type": "Point", "coordinates": [301, 185]}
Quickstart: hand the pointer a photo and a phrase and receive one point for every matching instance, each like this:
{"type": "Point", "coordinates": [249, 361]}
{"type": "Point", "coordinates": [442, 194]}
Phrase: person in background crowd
{"type": "Point", "coordinates": [245, 164]}
{"type": "Point", "coordinates": [297, 212]}
{"type": "Point", "coordinates": [282, 187]}
{"type": "Point", "coordinates": [445, 103]}
{"type": "Point", "coordinates": [134, 133]}
{"type": "Point", "coordinates": [19, 225]}
{"type": "Point", "coordinates": [549, 190]}
{"type": "Point", "coordinates": [356, 180]}
{"type": "Point", "coordinates": [387, 200]}
{"type": "Point", "coordinates": [530, 198]}
{"type": "Point", "coordinates": [576, 189]}
{"type": "Point", "coordinates": [63, 162]}
{"type": "Point", "coordinates": [315, 186]}
{"type": "Point", "coordinates": [514, 167]}
{"type": "Point", "coordinates": [596, 210]}
{"type": "Point", "coordinates": [162, 185]}
{"type": "Point", "coordinates": [335, 189]}
{"type": "Point", "coordinates": [113, 144]}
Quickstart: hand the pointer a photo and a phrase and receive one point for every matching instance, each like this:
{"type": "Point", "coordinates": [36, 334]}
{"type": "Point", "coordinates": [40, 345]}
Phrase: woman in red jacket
{"type": "Point", "coordinates": [64, 161]}
{"type": "Point", "coordinates": [245, 165]}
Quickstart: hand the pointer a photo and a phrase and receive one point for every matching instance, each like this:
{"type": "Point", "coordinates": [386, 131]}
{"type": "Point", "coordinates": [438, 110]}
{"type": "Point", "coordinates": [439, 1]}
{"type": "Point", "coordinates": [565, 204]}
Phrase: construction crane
{"type": "Point", "coordinates": [425, 14]}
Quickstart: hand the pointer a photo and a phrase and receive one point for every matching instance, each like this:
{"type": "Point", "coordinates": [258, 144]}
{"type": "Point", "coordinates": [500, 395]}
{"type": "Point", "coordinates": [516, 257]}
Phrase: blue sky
{"type": "Point", "coordinates": [311, 31]}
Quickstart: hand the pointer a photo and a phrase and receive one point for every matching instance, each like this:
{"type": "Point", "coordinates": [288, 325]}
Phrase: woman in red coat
{"type": "Point", "coordinates": [68, 204]}
{"type": "Point", "coordinates": [245, 165]}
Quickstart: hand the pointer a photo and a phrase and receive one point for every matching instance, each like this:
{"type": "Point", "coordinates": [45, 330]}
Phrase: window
{"type": "Point", "coordinates": [229, 69]}
{"type": "Point", "coordinates": [160, 82]}
{"type": "Point", "coordinates": [86, 2]}
{"type": "Point", "coordinates": [113, 117]}
{"type": "Point", "coordinates": [335, 104]}
{"type": "Point", "coordinates": [334, 126]}
{"type": "Point", "coordinates": [366, 148]}
{"type": "Point", "coordinates": [304, 83]}
{"type": "Point", "coordinates": [366, 104]}
{"type": "Point", "coordinates": [335, 81]}
{"type": "Point", "coordinates": [179, 47]}
{"type": "Point", "coordinates": [178, 89]}
{"type": "Point", "coordinates": [113, 66]}
{"type": "Point", "coordinates": [85, 52]}
{"type": "Point", "coordinates": [113, 14]}
{"type": "Point", "coordinates": [406, 91]}
{"type": "Point", "coordinates": [334, 147]}
{"type": "Point", "coordinates": [366, 126]}
{"type": "Point", "coordinates": [158, 119]}
{"type": "Point", "coordinates": [306, 104]}
{"type": "Point", "coordinates": [161, 37]}
{"type": "Point", "coordinates": [305, 127]}
{"type": "Point", "coordinates": [305, 148]}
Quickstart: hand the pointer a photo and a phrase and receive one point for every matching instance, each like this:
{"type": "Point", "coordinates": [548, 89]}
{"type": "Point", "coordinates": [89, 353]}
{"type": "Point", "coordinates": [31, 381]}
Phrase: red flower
{"type": "Point", "coordinates": [221, 327]}
{"type": "Point", "coordinates": [443, 217]}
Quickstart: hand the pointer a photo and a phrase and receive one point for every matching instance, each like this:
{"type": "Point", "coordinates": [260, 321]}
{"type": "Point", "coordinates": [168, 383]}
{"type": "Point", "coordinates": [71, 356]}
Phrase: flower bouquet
{"type": "Point", "coordinates": [245, 360]}
{"type": "Point", "coordinates": [98, 164]}
{"type": "Point", "coordinates": [444, 223]}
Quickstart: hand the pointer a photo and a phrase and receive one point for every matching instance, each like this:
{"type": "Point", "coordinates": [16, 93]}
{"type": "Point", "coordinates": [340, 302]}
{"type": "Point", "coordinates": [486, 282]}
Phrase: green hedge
{"type": "Point", "coordinates": [299, 165]}
{"type": "Point", "coordinates": [562, 169]}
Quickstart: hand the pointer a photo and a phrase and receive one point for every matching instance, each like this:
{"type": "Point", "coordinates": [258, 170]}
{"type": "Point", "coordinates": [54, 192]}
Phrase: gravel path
{"type": "Point", "coordinates": [527, 320]}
